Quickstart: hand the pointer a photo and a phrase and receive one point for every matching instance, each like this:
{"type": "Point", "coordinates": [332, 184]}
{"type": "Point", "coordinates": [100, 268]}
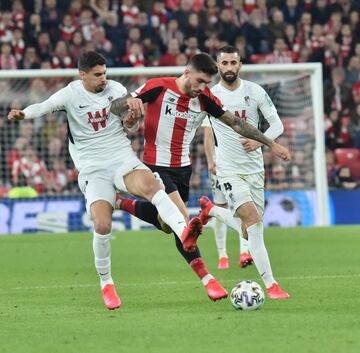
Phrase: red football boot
{"type": "Point", "coordinates": [245, 260]}
{"type": "Point", "coordinates": [111, 298]}
{"type": "Point", "coordinates": [206, 205]}
{"type": "Point", "coordinates": [215, 291]}
{"type": "Point", "coordinates": [223, 263]}
{"type": "Point", "coordinates": [190, 234]}
{"type": "Point", "coordinates": [276, 292]}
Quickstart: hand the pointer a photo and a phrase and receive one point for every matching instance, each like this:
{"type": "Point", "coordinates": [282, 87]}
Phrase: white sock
{"type": "Point", "coordinates": [243, 243]}
{"type": "Point", "coordinates": [102, 252]}
{"type": "Point", "coordinates": [220, 237]}
{"type": "Point", "coordinates": [205, 280]}
{"type": "Point", "coordinates": [259, 253]}
{"type": "Point", "coordinates": [168, 212]}
{"type": "Point", "coordinates": [225, 216]}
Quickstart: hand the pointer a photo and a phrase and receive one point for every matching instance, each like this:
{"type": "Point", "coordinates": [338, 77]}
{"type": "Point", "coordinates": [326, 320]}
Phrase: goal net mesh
{"type": "Point", "coordinates": [34, 152]}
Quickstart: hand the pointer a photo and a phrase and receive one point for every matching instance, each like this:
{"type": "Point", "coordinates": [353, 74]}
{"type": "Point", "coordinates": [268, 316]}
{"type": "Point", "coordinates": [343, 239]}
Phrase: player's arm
{"type": "Point", "coordinates": [209, 149]}
{"type": "Point", "coordinates": [122, 105]}
{"type": "Point", "coordinates": [276, 127]}
{"type": "Point", "coordinates": [243, 128]}
{"type": "Point", "coordinates": [54, 103]}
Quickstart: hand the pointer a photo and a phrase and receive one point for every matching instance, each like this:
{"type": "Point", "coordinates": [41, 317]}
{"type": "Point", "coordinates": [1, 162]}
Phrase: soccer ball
{"type": "Point", "coordinates": [247, 295]}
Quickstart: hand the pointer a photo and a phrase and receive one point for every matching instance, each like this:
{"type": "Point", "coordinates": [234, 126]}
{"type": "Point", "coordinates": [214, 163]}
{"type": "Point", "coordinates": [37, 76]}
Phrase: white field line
{"type": "Point", "coordinates": [172, 283]}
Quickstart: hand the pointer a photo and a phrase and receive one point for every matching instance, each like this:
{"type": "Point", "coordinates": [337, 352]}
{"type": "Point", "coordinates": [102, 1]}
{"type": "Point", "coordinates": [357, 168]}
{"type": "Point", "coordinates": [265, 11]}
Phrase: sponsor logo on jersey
{"type": "Point", "coordinates": [98, 118]}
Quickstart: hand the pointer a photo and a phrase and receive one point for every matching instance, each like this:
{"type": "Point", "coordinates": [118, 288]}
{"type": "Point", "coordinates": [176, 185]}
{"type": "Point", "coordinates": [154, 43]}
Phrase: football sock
{"type": "Point", "coordinates": [102, 252]}
{"type": "Point", "coordinates": [220, 237]}
{"type": "Point", "coordinates": [128, 205]}
{"type": "Point", "coordinates": [244, 247]}
{"type": "Point", "coordinates": [198, 266]}
{"type": "Point", "coordinates": [147, 212]}
{"type": "Point", "coordinates": [168, 212]}
{"type": "Point", "coordinates": [224, 215]}
{"type": "Point", "coordinates": [259, 253]}
{"type": "Point", "coordinates": [188, 256]}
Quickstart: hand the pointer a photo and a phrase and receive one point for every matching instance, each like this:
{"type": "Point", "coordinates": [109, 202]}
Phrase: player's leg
{"type": "Point", "coordinates": [213, 288]}
{"type": "Point", "coordinates": [100, 195]}
{"type": "Point", "coordinates": [139, 181]}
{"type": "Point", "coordinates": [250, 190]}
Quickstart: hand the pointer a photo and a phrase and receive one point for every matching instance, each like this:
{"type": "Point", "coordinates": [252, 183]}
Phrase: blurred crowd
{"type": "Point", "coordinates": [133, 33]}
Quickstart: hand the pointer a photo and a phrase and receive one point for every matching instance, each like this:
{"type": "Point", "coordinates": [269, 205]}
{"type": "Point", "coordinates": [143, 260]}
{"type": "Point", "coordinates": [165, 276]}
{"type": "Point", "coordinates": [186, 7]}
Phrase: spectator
{"type": "Point", "coordinates": [50, 18]}
{"type": "Point", "coordinates": [129, 13]}
{"type": "Point", "coordinates": [352, 72]}
{"type": "Point", "coordinates": [44, 46]}
{"type": "Point", "coordinates": [18, 45]}
{"type": "Point", "coordinates": [76, 45]}
{"type": "Point", "coordinates": [30, 59]}
{"type": "Point", "coordinates": [158, 17]}
{"type": "Point", "coordinates": [67, 28]}
{"type": "Point", "coordinates": [354, 126]}
{"type": "Point", "coordinates": [292, 11]}
{"type": "Point", "coordinates": [172, 31]}
{"type": "Point", "coordinates": [7, 58]}
{"type": "Point", "coordinates": [345, 180]}
{"type": "Point", "coordinates": [169, 58]}
{"type": "Point", "coordinates": [331, 167]}
{"type": "Point", "coordinates": [191, 47]}
{"type": "Point", "coordinates": [321, 12]}
{"type": "Point", "coordinates": [278, 180]}
{"type": "Point", "coordinates": [183, 14]}
{"type": "Point", "coordinates": [33, 29]}
{"type": "Point", "coordinates": [277, 26]}
{"type": "Point", "coordinates": [281, 54]}
{"type": "Point", "coordinates": [101, 8]}
{"type": "Point", "coordinates": [61, 57]}
{"type": "Point", "coordinates": [256, 34]}
{"type": "Point", "coordinates": [337, 94]}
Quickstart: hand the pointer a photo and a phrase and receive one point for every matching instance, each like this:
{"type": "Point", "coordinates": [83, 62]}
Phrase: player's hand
{"type": "Point", "coordinates": [16, 114]}
{"type": "Point", "coordinates": [212, 168]}
{"type": "Point", "coordinates": [250, 145]}
{"type": "Point", "coordinates": [130, 119]}
{"type": "Point", "coordinates": [136, 105]}
{"type": "Point", "coordinates": [281, 151]}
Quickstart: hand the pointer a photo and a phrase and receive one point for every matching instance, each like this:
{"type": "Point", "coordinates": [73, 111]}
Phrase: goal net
{"type": "Point", "coordinates": [34, 161]}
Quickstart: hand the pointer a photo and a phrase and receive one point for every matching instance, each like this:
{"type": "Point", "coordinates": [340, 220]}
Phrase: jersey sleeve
{"type": "Point", "coordinates": [118, 90]}
{"type": "Point", "coordinates": [211, 104]}
{"type": "Point", "coordinates": [265, 103]}
{"type": "Point", "coordinates": [149, 91]}
{"type": "Point", "coordinates": [54, 103]}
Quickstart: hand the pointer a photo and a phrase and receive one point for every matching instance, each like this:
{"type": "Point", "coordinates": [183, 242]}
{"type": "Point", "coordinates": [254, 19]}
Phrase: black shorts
{"type": "Point", "coordinates": [175, 179]}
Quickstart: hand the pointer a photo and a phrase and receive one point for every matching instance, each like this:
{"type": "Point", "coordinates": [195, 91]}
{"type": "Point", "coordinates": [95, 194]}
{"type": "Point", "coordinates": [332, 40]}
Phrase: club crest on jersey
{"type": "Point", "coordinates": [247, 100]}
{"type": "Point", "coordinates": [98, 118]}
{"type": "Point", "coordinates": [110, 98]}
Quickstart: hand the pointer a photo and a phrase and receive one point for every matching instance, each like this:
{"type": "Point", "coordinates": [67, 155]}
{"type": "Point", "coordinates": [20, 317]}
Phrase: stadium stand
{"type": "Point", "coordinates": [130, 33]}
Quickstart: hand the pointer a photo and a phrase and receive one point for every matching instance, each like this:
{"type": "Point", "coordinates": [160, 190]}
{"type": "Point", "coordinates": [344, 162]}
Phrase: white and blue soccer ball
{"type": "Point", "coordinates": [247, 295]}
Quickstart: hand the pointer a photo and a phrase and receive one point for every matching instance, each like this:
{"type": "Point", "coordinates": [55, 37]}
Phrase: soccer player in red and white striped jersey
{"type": "Point", "coordinates": [173, 113]}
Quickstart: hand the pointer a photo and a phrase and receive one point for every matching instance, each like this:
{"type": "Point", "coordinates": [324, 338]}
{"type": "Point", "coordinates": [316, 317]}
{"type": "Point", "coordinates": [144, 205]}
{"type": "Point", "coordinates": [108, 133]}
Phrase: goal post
{"type": "Point", "coordinates": [296, 90]}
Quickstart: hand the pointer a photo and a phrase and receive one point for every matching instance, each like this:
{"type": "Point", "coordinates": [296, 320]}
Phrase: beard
{"type": "Point", "coordinates": [229, 77]}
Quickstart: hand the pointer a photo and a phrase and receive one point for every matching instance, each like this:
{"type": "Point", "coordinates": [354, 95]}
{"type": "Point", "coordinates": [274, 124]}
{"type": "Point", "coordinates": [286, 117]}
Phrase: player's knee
{"type": "Point", "coordinates": [150, 189]}
{"type": "Point", "coordinates": [102, 227]}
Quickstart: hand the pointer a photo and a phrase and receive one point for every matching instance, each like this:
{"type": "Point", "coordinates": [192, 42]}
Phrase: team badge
{"type": "Point", "coordinates": [247, 100]}
{"type": "Point", "coordinates": [110, 98]}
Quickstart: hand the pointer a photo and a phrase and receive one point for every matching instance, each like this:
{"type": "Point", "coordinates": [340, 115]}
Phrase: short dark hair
{"type": "Point", "coordinates": [203, 62]}
{"type": "Point", "coordinates": [90, 59]}
{"type": "Point", "coordinates": [229, 49]}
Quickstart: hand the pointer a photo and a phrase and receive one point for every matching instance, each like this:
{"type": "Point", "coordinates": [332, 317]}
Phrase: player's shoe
{"type": "Point", "coordinates": [190, 234]}
{"type": "Point", "coordinates": [111, 298]}
{"type": "Point", "coordinates": [276, 292]}
{"type": "Point", "coordinates": [215, 291]}
{"type": "Point", "coordinates": [118, 199]}
{"type": "Point", "coordinates": [223, 263]}
{"type": "Point", "coordinates": [245, 260]}
{"type": "Point", "coordinates": [206, 205]}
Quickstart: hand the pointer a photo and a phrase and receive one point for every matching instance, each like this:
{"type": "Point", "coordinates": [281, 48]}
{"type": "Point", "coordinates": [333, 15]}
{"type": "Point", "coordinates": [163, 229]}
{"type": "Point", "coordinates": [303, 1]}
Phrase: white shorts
{"type": "Point", "coordinates": [240, 189]}
{"type": "Point", "coordinates": [218, 195]}
{"type": "Point", "coordinates": [102, 183]}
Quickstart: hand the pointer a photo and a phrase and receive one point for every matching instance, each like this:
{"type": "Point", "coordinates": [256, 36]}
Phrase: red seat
{"type": "Point", "coordinates": [349, 157]}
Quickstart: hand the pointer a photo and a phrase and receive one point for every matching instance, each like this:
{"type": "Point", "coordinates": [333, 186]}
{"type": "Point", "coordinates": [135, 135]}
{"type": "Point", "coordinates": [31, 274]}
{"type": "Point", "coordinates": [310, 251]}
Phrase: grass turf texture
{"type": "Point", "coordinates": [50, 299]}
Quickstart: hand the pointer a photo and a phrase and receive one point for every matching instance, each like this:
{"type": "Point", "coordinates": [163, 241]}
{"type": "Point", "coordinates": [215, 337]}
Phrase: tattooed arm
{"type": "Point", "coordinates": [249, 131]}
{"type": "Point", "coordinates": [122, 105]}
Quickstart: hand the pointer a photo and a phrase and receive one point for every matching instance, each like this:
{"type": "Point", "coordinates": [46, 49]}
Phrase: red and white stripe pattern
{"type": "Point", "coordinates": [170, 123]}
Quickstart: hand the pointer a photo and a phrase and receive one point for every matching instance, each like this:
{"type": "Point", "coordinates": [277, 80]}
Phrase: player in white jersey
{"type": "Point", "coordinates": [105, 160]}
{"type": "Point", "coordinates": [240, 166]}
{"type": "Point", "coordinates": [220, 226]}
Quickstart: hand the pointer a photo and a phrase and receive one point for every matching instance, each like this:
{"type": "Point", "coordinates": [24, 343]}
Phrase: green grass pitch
{"type": "Point", "coordinates": [50, 299]}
